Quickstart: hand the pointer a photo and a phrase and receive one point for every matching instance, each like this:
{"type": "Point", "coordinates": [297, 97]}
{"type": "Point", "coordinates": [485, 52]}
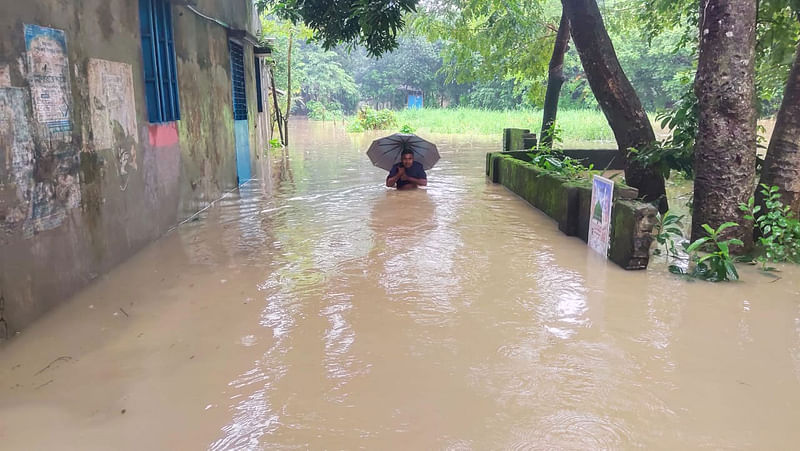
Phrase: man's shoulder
{"type": "Point", "coordinates": [418, 166]}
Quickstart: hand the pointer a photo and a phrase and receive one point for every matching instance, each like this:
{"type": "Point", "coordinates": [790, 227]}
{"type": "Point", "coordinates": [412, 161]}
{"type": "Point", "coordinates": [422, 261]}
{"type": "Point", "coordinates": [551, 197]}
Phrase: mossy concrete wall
{"type": "Point", "coordinates": [568, 203]}
{"type": "Point", "coordinates": [518, 139]}
{"type": "Point", "coordinates": [601, 159]}
{"type": "Point", "coordinates": [77, 202]}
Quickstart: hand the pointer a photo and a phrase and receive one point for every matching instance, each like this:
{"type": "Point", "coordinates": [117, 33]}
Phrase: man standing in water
{"type": "Point", "coordinates": [408, 174]}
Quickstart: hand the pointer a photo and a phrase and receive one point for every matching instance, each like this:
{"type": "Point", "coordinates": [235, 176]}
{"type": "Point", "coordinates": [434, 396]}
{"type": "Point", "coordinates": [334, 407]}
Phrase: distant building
{"type": "Point", "coordinates": [413, 96]}
{"type": "Point", "coordinates": [118, 119]}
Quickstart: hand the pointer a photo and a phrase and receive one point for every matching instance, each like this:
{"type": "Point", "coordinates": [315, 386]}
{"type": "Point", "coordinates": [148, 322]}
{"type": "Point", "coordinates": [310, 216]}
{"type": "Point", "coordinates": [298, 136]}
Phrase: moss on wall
{"type": "Point", "coordinates": [568, 202]}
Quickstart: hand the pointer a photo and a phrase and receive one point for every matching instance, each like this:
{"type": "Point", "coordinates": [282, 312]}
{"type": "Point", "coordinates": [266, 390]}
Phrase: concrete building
{"type": "Point", "coordinates": [118, 119]}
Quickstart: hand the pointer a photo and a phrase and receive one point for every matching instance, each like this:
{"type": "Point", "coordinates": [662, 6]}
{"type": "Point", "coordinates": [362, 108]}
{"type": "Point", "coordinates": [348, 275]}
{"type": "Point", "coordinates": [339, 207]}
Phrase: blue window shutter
{"type": "Point", "coordinates": [158, 58]}
{"type": "Point", "coordinates": [237, 81]}
{"type": "Point", "coordinates": [151, 85]}
{"type": "Point", "coordinates": [173, 69]}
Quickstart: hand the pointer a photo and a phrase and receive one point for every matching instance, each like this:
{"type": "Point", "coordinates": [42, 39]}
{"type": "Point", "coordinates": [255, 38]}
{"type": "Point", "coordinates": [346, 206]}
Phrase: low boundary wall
{"type": "Point", "coordinates": [568, 202]}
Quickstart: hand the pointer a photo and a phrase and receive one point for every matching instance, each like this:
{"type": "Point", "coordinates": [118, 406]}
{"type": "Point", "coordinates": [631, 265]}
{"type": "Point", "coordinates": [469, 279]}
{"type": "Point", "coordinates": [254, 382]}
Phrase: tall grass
{"type": "Point", "coordinates": [578, 126]}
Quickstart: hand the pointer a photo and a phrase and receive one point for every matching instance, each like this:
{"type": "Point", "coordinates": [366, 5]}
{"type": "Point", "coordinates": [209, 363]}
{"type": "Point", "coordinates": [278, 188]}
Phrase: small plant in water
{"type": "Point", "coordinates": [406, 129]}
{"type": "Point", "coordinates": [668, 229]}
{"type": "Point", "coordinates": [779, 230]}
{"type": "Point", "coordinates": [717, 265]}
{"type": "Point", "coordinates": [275, 143]}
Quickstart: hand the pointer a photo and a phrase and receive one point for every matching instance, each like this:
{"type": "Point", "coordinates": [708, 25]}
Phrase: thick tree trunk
{"type": "Point", "coordinates": [555, 79]}
{"type": "Point", "coordinates": [725, 149]}
{"type": "Point", "coordinates": [288, 92]}
{"type": "Point", "coordinates": [616, 96]}
{"type": "Point", "coordinates": [782, 165]}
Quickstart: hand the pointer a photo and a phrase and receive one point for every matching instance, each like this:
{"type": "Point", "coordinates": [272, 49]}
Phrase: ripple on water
{"type": "Point", "coordinates": [571, 429]}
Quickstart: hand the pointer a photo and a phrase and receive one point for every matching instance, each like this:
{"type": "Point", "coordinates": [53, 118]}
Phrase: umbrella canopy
{"type": "Point", "coordinates": [385, 152]}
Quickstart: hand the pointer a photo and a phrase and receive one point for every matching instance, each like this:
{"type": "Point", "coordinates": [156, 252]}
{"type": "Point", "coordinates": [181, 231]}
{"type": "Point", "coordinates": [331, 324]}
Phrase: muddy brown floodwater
{"type": "Point", "coordinates": [322, 310]}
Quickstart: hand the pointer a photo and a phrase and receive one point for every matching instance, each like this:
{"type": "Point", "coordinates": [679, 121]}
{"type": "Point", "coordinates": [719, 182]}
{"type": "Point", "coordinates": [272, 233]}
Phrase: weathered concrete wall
{"type": "Point", "coordinates": [568, 202]}
{"type": "Point", "coordinates": [81, 194]}
{"type": "Point", "coordinates": [601, 159]}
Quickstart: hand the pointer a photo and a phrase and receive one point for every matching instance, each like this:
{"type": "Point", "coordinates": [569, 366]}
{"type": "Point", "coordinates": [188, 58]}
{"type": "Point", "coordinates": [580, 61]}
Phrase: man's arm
{"type": "Point", "coordinates": [392, 179]}
{"type": "Point", "coordinates": [414, 180]}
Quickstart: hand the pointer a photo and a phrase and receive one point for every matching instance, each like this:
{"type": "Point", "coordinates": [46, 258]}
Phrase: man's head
{"type": "Point", "coordinates": [407, 157]}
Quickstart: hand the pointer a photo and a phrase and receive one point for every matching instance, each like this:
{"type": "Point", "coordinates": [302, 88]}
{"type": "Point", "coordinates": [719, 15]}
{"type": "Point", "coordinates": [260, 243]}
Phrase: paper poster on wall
{"type": "Point", "coordinates": [48, 72]}
{"type": "Point", "coordinates": [112, 102]}
{"type": "Point", "coordinates": [600, 216]}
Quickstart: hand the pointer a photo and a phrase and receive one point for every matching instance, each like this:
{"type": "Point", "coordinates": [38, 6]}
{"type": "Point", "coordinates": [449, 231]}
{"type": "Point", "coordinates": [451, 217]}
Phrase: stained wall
{"type": "Point", "coordinates": [85, 179]}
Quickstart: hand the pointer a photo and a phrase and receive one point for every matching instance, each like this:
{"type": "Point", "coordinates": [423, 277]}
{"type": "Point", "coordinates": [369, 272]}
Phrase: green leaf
{"type": "Point", "coordinates": [726, 226]}
{"type": "Point", "coordinates": [696, 244]}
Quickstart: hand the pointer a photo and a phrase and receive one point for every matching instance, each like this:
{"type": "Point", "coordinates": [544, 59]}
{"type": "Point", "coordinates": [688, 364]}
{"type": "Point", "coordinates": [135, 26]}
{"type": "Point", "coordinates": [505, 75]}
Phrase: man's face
{"type": "Point", "coordinates": [408, 160]}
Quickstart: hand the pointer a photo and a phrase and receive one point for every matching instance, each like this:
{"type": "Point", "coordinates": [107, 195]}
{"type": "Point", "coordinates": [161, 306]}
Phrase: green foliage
{"type": "Point", "coordinates": [717, 265]}
{"type": "Point", "coordinates": [371, 119]}
{"type": "Point", "coordinates": [413, 64]}
{"type": "Point", "coordinates": [322, 78]}
{"type": "Point", "coordinates": [493, 40]}
{"type": "Point", "coordinates": [587, 128]}
{"type": "Point", "coordinates": [554, 162]}
{"type": "Point", "coordinates": [373, 24]}
{"type": "Point", "coordinates": [779, 230]}
{"type": "Point", "coordinates": [406, 129]}
{"type": "Point", "coordinates": [554, 133]}
{"type": "Point", "coordinates": [319, 112]}
{"type": "Point", "coordinates": [676, 152]}
{"type": "Point", "coordinates": [275, 143]}
{"type": "Point", "coordinates": [668, 229]}
{"type": "Point", "coordinates": [777, 29]}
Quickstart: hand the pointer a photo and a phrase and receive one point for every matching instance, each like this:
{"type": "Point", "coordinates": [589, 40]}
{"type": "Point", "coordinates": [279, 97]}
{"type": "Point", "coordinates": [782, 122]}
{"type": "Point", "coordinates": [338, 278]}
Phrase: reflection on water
{"type": "Point", "coordinates": [319, 309]}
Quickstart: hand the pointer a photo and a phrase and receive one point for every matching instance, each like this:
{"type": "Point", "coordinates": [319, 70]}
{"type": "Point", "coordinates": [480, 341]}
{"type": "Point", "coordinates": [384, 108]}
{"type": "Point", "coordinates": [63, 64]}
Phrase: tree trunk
{"type": "Point", "coordinates": [555, 79]}
{"type": "Point", "coordinates": [725, 149]}
{"type": "Point", "coordinates": [616, 96]}
{"type": "Point", "coordinates": [782, 165]}
{"type": "Point", "coordinates": [277, 109]}
{"type": "Point", "coordinates": [288, 92]}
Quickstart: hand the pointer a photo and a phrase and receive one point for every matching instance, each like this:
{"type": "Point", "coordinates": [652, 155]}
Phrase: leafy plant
{"type": "Point", "coordinates": [668, 229]}
{"type": "Point", "coordinates": [406, 129]}
{"type": "Point", "coordinates": [318, 111]}
{"type": "Point", "coordinates": [275, 143]}
{"type": "Point", "coordinates": [779, 230]}
{"type": "Point", "coordinates": [677, 151]}
{"type": "Point", "coordinates": [717, 265]}
{"type": "Point", "coordinates": [554, 132]}
{"type": "Point", "coordinates": [371, 119]}
{"type": "Point", "coordinates": [554, 162]}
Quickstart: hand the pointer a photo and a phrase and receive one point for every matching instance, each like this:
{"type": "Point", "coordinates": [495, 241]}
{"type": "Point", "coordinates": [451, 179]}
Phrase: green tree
{"type": "Point", "coordinates": [373, 24]}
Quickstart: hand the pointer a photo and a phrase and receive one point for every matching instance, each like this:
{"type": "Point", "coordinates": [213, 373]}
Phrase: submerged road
{"type": "Point", "coordinates": [321, 310]}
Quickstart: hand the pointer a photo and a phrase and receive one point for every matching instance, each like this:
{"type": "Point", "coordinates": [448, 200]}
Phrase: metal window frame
{"type": "Point", "coordinates": [158, 55]}
{"type": "Point", "coordinates": [236, 54]}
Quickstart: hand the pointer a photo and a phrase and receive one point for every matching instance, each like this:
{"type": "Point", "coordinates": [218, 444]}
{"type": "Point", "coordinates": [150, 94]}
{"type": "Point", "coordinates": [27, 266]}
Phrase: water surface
{"type": "Point", "coordinates": [320, 309]}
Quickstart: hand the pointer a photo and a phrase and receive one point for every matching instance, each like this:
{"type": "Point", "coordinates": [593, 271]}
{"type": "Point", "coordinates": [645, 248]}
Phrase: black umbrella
{"type": "Point", "coordinates": [385, 152]}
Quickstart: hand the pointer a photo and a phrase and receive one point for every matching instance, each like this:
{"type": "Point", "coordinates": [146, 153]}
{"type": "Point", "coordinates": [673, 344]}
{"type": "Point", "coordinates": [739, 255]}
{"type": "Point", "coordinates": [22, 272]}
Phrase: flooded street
{"type": "Point", "coordinates": [323, 310]}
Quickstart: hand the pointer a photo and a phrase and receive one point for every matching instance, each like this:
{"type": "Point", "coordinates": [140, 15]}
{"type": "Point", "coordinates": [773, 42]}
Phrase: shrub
{"type": "Point", "coordinates": [370, 119]}
{"type": "Point", "coordinates": [318, 111]}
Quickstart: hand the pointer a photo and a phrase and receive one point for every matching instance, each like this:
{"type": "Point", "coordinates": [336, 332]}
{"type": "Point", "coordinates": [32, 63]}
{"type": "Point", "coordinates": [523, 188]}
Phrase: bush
{"type": "Point", "coordinates": [318, 111]}
{"type": "Point", "coordinates": [370, 119]}
{"type": "Point", "coordinates": [779, 230]}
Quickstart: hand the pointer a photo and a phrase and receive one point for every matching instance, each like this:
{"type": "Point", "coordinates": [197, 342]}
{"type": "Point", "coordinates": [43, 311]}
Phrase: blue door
{"type": "Point", "coordinates": [414, 101]}
{"type": "Point", "coordinates": [241, 131]}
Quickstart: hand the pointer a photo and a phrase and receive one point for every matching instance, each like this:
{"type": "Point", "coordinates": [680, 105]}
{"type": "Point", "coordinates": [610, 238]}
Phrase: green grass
{"type": "Point", "coordinates": [578, 126]}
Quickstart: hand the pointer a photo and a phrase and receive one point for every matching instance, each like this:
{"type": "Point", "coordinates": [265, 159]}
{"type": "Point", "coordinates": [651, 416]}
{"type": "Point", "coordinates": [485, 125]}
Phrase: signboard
{"type": "Point", "coordinates": [600, 215]}
{"type": "Point", "coordinates": [112, 104]}
{"type": "Point", "coordinates": [48, 70]}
